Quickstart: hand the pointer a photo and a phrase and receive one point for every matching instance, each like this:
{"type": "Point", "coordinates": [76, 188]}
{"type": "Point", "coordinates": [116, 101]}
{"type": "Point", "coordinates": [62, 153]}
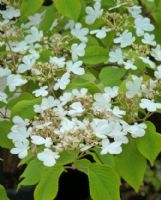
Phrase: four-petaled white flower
{"type": "Point", "coordinates": [77, 50]}
{"type": "Point", "coordinates": [134, 87]}
{"type": "Point", "coordinates": [93, 13]}
{"type": "Point", "coordinates": [34, 35]}
{"type": "Point", "coordinates": [15, 80]}
{"type": "Point", "coordinates": [76, 109]}
{"type": "Point", "coordinates": [3, 97]}
{"type": "Point", "coordinates": [125, 39]}
{"type": "Point", "coordinates": [156, 53]}
{"type": "Point", "coordinates": [116, 56]}
{"type": "Point", "coordinates": [157, 73]}
{"type": "Point", "coordinates": [62, 82]}
{"type": "Point", "coordinates": [100, 33]}
{"type": "Point", "coordinates": [135, 11]}
{"type": "Point", "coordinates": [142, 24]}
{"type": "Point", "coordinates": [28, 61]}
{"type": "Point", "coordinates": [79, 32]}
{"type": "Point", "coordinates": [137, 130]}
{"type": "Point", "coordinates": [75, 68]}
{"type": "Point", "coordinates": [42, 91]}
{"type": "Point", "coordinates": [149, 39]}
{"type": "Point", "coordinates": [38, 140]}
{"type": "Point", "coordinates": [48, 157]}
{"type": "Point", "coordinates": [57, 62]}
{"type": "Point", "coordinates": [21, 148]}
{"type": "Point", "coordinates": [47, 103]}
{"type": "Point", "coordinates": [10, 13]}
{"type": "Point", "coordinates": [112, 148]}
{"type": "Point", "coordinates": [150, 105]}
{"type": "Point", "coordinates": [129, 64]}
{"type": "Point", "coordinates": [100, 128]}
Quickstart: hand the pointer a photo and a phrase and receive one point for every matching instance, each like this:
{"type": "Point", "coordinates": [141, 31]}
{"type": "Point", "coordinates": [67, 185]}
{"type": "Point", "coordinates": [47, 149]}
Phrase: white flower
{"type": "Point", "coordinates": [79, 32]}
{"type": "Point", "coordinates": [48, 157]}
{"type": "Point", "coordinates": [129, 65]}
{"type": "Point", "coordinates": [143, 24]}
{"type": "Point", "coordinates": [125, 39]}
{"type": "Point", "coordinates": [156, 53]}
{"type": "Point", "coordinates": [38, 140]}
{"type": "Point", "coordinates": [34, 36]}
{"type": "Point", "coordinates": [65, 98]}
{"type": "Point", "coordinates": [76, 109]}
{"type": "Point", "coordinates": [59, 62]}
{"type": "Point", "coordinates": [28, 61]}
{"type": "Point", "coordinates": [100, 33]}
{"type": "Point", "coordinates": [46, 104]}
{"type": "Point", "coordinates": [102, 102]}
{"type": "Point", "coordinates": [19, 122]}
{"type": "Point", "coordinates": [116, 56]}
{"type": "Point", "coordinates": [117, 112]}
{"type": "Point", "coordinates": [111, 91]}
{"type": "Point", "coordinates": [146, 60]}
{"type": "Point", "coordinates": [135, 11]}
{"type": "Point", "coordinates": [21, 148]}
{"type": "Point", "coordinates": [150, 105]}
{"type": "Point", "coordinates": [134, 87]}
{"type": "Point", "coordinates": [158, 72]}
{"type": "Point", "coordinates": [19, 133]}
{"type": "Point", "coordinates": [100, 128]}
{"type": "Point", "coordinates": [3, 97]}
{"type": "Point", "coordinates": [75, 67]}
{"type": "Point", "coordinates": [148, 88]}
{"type": "Point", "coordinates": [20, 47]}
{"type": "Point", "coordinates": [66, 125]}
{"type": "Point", "coordinates": [70, 24]}
{"type": "Point", "coordinates": [93, 13]}
{"type": "Point", "coordinates": [77, 50]}
{"type": "Point", "coordinates": [80, 93]}
{"type": "Point", "coordinates": [4, 72]}
{"type": "Point", "coordinates": [34, 20]}
{"type": "Point", "coordinates": [10, 13]}
{"type": "Point", "coordinates": [149, 39]}
{"type": "Point", "coordinates": [137, 130]}
{"type": "Point", "coordinates": [15, 80]}
{"type": "Point", "coordinates": [62, 82]}
{"type": "Point", "coordinates": [112, 148]}
{"type": "Point", "coordinates": [42, 91]}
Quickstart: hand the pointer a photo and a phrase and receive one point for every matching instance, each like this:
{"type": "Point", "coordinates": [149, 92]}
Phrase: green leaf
{"type": "Point", "coordinates": [23, 96]}
{"type": "Point", "coordinates": [5, 127]}
{"type": "Point", "coordinates": [32, 173]}
{"type": "Point", "coordinates": [95, 55]}
{"type": "Point", "coordinates": [47, 19]}
{"type": "Point", "coordinates": [69, 8]}
{"type": "Point", "coordinates": [25, 109]}
{"type": "Point", "coordinates": [66, 157]}
{"type": "Point", "coordinates": [131, 165]}
{"type": "Point", "coordinates": [3, 193]}
{"type": "Point", "coordinates": [150, 145]}
{"type": "Point", "coordinates": [111, 76]}
{"type": "Point", "coordinates": [107, 159]}
{"type": "Point", "coordinates": [104, 183]}
{"type": "Point", "coordinates": [29, 7]}
{"type": "Point", "coordinates": [48, 186]}
{"type": "Point", "coordinates": [85, 81]}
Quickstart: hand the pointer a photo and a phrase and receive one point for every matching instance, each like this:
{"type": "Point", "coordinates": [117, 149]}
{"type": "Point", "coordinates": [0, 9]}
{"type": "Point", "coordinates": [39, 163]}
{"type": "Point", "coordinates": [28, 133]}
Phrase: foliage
{"type": "Point", "coordinates": [80, 78]}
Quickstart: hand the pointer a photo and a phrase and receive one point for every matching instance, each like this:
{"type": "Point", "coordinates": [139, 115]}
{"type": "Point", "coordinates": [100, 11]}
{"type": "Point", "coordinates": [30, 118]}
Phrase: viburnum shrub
{"type": "Point", "coordinates": [79, 78]}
